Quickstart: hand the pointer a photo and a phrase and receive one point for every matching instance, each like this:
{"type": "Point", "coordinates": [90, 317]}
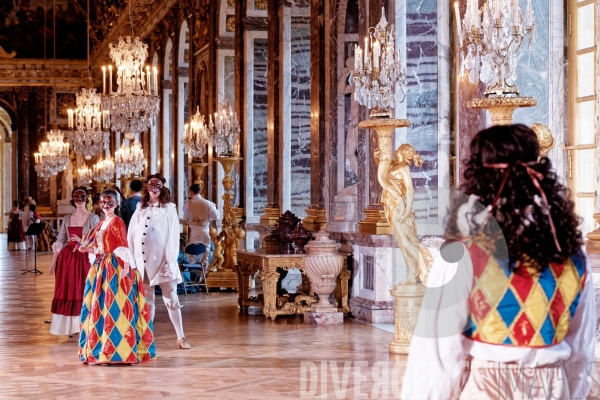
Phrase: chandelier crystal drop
{"type": "Point", "coordinates": [490, 39]}
{"type": "Point", "coordinates": [379, 73]}
{"type": "Point", "coordinates": [225, 130]}
{"type": "Point", "coordinates": [85, 175]}
{"type": "Point", "coordinates": [129, 159]}
{"type": "Point", "coordinates": [104, 170]}
{"type": "Point", "coordinates": [195, 136]}
{"type": "Point", "coordinates": [133, 107]}
{"type": "Point", "coordinates": [53, 155]}
{"type": "Point", "coordinates": [85, 125]}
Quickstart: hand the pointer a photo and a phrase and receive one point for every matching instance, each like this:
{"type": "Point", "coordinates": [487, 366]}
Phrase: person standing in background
{"type": "Point", "coordinates": [129, 205]}
{"type": "Point", "coordinates": [16, 234]}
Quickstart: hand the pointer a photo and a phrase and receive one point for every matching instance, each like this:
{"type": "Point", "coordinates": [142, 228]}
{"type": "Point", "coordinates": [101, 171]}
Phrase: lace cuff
{"type": "Point", "coordinates": [125, 255]}
{"type": "Point", "coordinates": [57, 247]}
{"type": "Point", "coordinates": [92, 258]}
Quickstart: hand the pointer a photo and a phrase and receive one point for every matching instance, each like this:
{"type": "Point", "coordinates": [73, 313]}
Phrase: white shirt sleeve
{"type": "Point", "coordinates": [581, 337]}
{"type": "Point", "coordinates": [213, 212]}
{"type": "Point", "coordinates": [172, 245]}
{"type": "Point", "coordinates": [436, 360]}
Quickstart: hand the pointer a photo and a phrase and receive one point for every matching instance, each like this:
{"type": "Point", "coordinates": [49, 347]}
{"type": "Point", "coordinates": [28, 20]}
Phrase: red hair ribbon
{"type": "Point", "coordinates": [535, 176]}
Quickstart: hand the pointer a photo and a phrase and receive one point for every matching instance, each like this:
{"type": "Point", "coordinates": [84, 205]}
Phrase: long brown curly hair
{"type": "Point", "coordinates": [525, 226]}
{"type": "Point", "coordinates": [163, 198]}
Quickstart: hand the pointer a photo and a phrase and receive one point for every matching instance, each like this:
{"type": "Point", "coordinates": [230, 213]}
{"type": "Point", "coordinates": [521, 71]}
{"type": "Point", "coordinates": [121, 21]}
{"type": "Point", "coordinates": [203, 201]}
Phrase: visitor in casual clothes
{"type": "Point", "coordinates": [515, 316]}
{"type": "Point", "coordinates": [199, 213]}
{"type": "Point", "coordinates": [153, 237]}
{"type": "Point", "coordinates": [16, 234]}
{"type": "Point", "coordinates": [129, 205]}
{"type": "Point", "coordinates": [70, 267]}
{"type": "Point", "coordinates": [115, 318]}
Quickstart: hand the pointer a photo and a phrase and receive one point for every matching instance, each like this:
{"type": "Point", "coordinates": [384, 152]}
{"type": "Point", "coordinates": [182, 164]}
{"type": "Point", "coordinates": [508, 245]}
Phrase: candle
{"type": "Point", "coordinates": [376, 51]}
{"type": "Point", "coordinates": [185, 129]}
{"type": "Point", "coordinates": [110, 79]}
{"type": "Point", "coordinates": [457, 17]}
{"type": "Point", "coordinates": [148, 80]}
{"type": "Point", "coordinates": [496, 10]}
{"type": "Point", "coordinates": [69, 116]}
{"type": "Point", "coordinates": [155, 81]}
{"type": "Point", "coordinates": [366, 61]}
{"type": "Point", "coordinates": [476, 19]}
{"type": "Point", "coordinates": [356, 57]}
{"type": "Point", "coordinates": [104, 80]}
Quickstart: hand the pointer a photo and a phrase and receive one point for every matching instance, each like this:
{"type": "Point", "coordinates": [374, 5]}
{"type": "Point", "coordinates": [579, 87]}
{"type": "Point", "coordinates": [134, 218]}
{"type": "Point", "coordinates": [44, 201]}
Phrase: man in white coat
{"type": "Point", "coordinates": [153, 238]}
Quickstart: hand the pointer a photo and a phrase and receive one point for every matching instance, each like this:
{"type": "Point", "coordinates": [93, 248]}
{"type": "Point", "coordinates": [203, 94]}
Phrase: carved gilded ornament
{"type": "Point", "coordinates": [501, 108]}
{"type": "Point", "coordinates": [231, 3]}
{"type": "Point", "coordinates": [230, 24]}
{"type": "Point", "coordinates": [261, 4]}
{"type": "Point", "coordinates": [5, 54]}
{"type": "Point", "coordinates": [545, 138]}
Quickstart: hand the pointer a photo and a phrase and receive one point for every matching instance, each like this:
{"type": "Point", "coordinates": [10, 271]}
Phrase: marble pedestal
{"type": "Point", "coordinates": [65, 208]}
{"type": "Point", "coordinates": [376, 267]}
{"type": "Point", "coordinates": [345, 218]}
{"type": "Point", "coordinates": [407, 303]}
{"type": "Point", "coordinates": [323, 317]}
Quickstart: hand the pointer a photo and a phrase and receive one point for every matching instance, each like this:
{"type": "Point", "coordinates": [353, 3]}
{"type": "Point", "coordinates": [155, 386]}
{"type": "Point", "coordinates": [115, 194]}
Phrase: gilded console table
{"type": "Point", "coordinates": [250, 262]}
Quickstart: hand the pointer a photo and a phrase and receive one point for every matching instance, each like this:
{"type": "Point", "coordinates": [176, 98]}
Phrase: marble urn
{"type": "Point", "coordinates": [322, 265]}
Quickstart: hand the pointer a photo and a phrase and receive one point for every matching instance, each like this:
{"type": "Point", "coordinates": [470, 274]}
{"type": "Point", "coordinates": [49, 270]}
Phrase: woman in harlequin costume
{"type": "Point", "coordinates": [509, 311]}
{"type": "Point", "coordinates": [115, 319]}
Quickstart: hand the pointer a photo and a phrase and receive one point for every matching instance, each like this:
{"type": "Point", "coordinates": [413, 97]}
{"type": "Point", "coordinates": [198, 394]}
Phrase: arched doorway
{"type": "Point", "coordinates": [5, 166]}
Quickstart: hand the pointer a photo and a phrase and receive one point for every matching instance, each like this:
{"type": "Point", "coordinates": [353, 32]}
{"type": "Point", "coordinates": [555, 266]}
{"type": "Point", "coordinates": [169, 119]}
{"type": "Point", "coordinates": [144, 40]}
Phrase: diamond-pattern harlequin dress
{"type": "Point", "coordinates": [115, 318]}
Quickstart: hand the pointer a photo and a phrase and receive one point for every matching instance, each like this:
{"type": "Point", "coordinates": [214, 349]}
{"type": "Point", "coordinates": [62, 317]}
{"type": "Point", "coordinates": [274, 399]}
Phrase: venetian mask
{"type": "Point", "coordinates": [79, 196]}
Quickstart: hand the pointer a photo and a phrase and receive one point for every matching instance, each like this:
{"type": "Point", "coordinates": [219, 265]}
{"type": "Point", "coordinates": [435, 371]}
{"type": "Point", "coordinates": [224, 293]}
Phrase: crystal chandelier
{"type": "Point", "coordinates": [129, 159]}
{"type": "Point", "coordinates": [84, 175]}
{"type": "Point", "coordinates": [493, 36]}
{"type": "Point", "coordinates": [225, 130]}
{"type": "Point", "coordinates": [195, 136]}
{"type": "Point", "coordinates": [378, 70]}
{"type": "Point", "coordinates": [53, 155]}
{"type": "Point", "coordinates": [104, 169]}
{"type": "Point", "coordinates": [85, 125]}
{"type": "Point", "coordinates": [134, 106]}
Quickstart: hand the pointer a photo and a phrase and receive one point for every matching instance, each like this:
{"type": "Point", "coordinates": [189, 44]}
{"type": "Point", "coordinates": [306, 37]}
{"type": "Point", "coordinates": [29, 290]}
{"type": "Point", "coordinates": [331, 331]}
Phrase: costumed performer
{"type": "Point", "coordinates": [515, 317]}
{"type": "Point", "coordinates": [153, 237]}
{"type": "Point", "coordinates": [70, 267]}
{"type": "Point", "coordinates": [16, 234]}
{"type": "Point", "coordinates": [115, 318]}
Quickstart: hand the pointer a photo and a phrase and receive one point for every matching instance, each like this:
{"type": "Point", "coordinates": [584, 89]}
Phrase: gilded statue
{"type": "Point", "coordinates": [232, 234]}
{"type": "Point", "coordinates": [397, 198]}
{"type": "Point", "coordinates": [218, 259]}
{"type": "Point", "coordinates": [544, 136]}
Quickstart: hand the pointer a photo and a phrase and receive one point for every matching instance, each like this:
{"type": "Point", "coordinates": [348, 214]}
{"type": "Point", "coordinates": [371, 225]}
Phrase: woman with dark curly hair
{"type": "Point", "coordinates": [518, 317]}
{"type": "Point", "coordinates": [70, 267]}
{"type": "Point", "coordinates": [153, 237]}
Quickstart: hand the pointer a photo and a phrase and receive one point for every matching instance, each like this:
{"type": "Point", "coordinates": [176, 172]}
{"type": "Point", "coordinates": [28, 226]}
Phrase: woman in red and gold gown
{"type": "Point", "coordinates": [115, 319]}
{"type": "Point", "coordinates": [70, 267]}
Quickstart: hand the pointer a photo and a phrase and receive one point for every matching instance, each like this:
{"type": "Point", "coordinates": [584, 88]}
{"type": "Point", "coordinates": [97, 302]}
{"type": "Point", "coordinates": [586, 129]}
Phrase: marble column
{"type": "Point", "coordinates": [272, 210]}
{"type": "Point", "coordinates": [33, 144]}
{"type": "Point", "coordinates": [241, 7]}
{"type": "Point", "coordinates": [23, 142]}
{"type": "Point", "coordinates": [316, 213]}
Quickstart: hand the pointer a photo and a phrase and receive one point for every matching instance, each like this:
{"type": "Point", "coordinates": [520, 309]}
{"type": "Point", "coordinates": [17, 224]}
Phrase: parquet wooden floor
{"type": "Point", "coordinates": [233, 357]}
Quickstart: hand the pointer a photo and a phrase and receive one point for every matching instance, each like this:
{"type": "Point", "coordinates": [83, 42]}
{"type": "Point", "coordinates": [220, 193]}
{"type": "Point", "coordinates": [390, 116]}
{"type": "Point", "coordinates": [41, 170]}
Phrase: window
{"type": "Point", "coordinates": [581, 152]}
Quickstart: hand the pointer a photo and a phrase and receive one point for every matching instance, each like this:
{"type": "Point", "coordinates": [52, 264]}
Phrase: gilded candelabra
{"type": "Point", "coordinates": [198, 168]}
{"type": "Point", "coordinates": [231, 233]}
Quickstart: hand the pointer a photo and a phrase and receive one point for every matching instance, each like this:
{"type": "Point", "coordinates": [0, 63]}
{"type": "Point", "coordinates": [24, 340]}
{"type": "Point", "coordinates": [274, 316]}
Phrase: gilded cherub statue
{"type": "Point", "coordinates": [232, 234]}
{"type": "Point", "coordinates": [397, 198]}
{"type": "Point", "coordinates": [218, 258]}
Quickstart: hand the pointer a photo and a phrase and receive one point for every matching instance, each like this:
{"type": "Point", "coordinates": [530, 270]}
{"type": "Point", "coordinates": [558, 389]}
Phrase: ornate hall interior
{"type": "Point", "coordinates": [290, 116]}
